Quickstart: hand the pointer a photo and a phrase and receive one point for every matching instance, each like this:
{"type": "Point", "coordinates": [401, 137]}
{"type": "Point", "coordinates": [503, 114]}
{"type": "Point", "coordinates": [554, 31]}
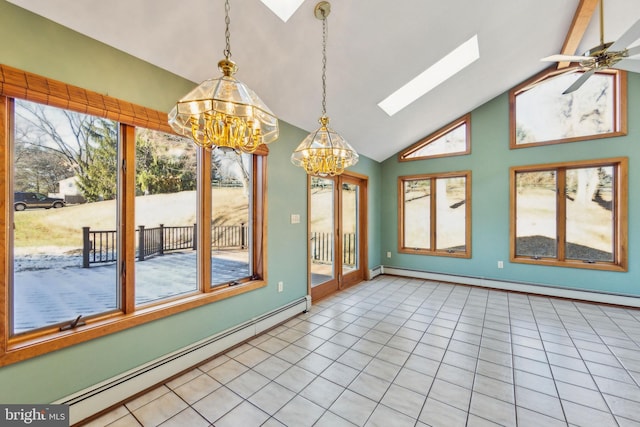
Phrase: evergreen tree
{"type": "Point", "coordinates": [98, 180]}
{"type": "Point", "coordinates": [164, 163]}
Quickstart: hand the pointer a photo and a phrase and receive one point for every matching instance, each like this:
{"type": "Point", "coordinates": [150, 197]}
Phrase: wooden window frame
{"type": "Point", "coordinates": [619, 101]}
{"type": "Point", "coordinates": [620, 202]}
{"type": "Point", "coordinates": [464, 120]}
{"type": "Point", "coordinates": [432, 217]}
{"type": "Point", "coordinates": [16, 83]}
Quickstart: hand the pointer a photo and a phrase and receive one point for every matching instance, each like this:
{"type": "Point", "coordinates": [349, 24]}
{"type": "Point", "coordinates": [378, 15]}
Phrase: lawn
{"type": "Point", "coordinates": [44, 230]}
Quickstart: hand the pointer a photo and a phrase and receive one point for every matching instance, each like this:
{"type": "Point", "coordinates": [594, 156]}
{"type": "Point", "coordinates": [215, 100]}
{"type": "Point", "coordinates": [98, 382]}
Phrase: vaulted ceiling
{"type": "Point", "coordinates": [374, 47]}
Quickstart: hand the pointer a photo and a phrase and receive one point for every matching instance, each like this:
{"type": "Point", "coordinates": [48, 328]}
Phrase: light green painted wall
{"type": "Point", "coordinates": [489, 162]}
{"type": "Point", "coordinates": [40, 46]}
{"type": "Point", "coordinates": [34, 44]}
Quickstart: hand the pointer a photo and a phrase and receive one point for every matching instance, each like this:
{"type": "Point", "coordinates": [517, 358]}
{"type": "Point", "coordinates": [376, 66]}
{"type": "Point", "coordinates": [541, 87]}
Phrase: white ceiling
{"type": "Point", "coordinates": [374, 47]}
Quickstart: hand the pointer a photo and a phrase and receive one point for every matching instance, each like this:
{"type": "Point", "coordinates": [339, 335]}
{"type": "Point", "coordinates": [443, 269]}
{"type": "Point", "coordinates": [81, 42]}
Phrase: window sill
{"type": "Point", "coordinates": [457, 254]}
{"type": "Point", "coordinates": [44, 341]}
{"type": "Point", "coordinates": [604, 266]}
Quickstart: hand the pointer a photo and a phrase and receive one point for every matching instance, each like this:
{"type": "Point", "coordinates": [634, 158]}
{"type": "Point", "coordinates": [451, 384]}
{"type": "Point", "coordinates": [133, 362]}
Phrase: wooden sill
{"type": "Point", "coordinates": [44, 341]}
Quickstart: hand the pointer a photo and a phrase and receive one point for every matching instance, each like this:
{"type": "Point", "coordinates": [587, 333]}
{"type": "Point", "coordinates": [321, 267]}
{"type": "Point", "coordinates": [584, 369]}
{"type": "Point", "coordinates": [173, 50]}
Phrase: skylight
{"type": "Point", "coordinates": [455, 61]}
{"type": "Point", "coordinates": [283, 8]}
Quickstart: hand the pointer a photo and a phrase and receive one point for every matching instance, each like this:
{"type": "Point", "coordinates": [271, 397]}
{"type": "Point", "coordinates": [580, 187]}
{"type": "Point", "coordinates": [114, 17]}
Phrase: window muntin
{"type": "Point", "coordinates": [571, 214]}
{"type": "Point", "coordinates": [452, 140]}
{"type": "Point", "coordinates": [435, 214]}
{"type": "Point", "coordinates": [540, 114]}
{"type": "Point", "coordinates": [166, 216]}
{"type": "Point", "coordinates": [68, 156]}
{"type": "Point", "coordinates": [17, 84]}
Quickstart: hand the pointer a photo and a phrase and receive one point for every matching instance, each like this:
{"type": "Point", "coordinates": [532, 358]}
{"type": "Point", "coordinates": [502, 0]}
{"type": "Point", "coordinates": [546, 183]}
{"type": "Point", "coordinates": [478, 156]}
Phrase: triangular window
{"type": "Point", "coordinates": [452, 140]}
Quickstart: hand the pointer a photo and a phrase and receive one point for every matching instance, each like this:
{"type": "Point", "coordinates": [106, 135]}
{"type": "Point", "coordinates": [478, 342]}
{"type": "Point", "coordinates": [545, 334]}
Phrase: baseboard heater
{"type": "Point", "coordinates": [530, 288]}
{"type": "Point", "coordinates": [375, 272]}
{"type": "Point", "coordinates": [104, 395]}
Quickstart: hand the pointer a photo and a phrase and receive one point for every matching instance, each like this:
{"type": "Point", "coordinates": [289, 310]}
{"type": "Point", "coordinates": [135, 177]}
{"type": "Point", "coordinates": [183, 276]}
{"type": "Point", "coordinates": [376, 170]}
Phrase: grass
{"type": "Point", "coordinates": [62, 228]}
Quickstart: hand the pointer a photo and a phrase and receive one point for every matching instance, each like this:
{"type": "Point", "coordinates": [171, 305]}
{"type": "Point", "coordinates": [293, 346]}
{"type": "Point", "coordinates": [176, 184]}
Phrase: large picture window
{"type": "Point", "coordinates": [540, 114]}
{"type": "Point", "coordinates": [570, 214]}
{"type": "Point", "coordinates": [64, 186]}
{"type": "Point", "coordinates": [166, 218]}
{"type": "Point", "coordinates": [231, 230]}
{"type": "Point", "coordinates": [109, 208]}
{"type": "Point", "coordinates": [435, 214]}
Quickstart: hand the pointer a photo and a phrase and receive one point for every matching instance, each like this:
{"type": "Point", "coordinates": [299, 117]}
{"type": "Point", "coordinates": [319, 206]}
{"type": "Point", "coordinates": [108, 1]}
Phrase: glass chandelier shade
{"type": "Point", "coordinates": [224, 112]}
{"type": "Point", "coordinates": [324, 152]}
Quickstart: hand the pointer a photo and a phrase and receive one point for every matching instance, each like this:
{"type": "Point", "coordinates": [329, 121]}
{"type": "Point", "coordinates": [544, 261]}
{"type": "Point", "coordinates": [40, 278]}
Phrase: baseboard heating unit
{"type": "Point", "coordinates": [99, 397]}
{"type": "Point", "coordinates": [530, 288]}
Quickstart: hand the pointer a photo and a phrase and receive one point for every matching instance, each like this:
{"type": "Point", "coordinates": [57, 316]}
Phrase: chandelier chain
{"type": "Point", "coordinates": [227, 32]}
{"type": "Point", "coordinates": [324, 66]}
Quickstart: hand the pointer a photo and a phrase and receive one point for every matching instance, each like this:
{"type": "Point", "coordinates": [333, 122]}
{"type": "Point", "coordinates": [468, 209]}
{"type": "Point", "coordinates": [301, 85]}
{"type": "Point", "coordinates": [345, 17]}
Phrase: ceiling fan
{"type": "Point", "coordinates": [605, 55]}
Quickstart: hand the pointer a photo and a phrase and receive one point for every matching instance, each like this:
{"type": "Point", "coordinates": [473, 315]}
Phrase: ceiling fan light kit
{"type": "Point", "coordinates": [604, 56]}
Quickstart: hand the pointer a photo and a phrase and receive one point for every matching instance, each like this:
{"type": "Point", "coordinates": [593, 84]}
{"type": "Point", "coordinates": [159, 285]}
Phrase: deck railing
{"type": "Point", "coordinates": [322, 248]}
{"type": "Point", "coordinates": [100, 246]}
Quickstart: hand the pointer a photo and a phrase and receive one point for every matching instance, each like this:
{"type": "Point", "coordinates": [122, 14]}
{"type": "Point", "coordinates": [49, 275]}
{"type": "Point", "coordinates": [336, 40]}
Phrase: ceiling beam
{"type": "Point", "coordinates": [581, 19]}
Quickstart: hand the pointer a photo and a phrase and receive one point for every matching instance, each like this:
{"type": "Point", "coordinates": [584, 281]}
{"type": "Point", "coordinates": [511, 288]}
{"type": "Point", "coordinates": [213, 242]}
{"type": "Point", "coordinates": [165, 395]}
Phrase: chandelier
{"type": "Point", "coordinates": [324, 152]}
{"type": "Point", "coordinates": [224, 112]}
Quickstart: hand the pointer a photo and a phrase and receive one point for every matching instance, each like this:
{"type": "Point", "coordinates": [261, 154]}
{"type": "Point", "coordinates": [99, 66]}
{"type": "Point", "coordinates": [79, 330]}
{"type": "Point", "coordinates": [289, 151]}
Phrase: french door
{"type": "Point", "coordinates": [337, 232]}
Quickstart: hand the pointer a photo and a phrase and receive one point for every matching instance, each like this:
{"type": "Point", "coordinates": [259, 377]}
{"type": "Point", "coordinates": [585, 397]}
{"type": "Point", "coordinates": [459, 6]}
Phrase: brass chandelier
{"type": "Point", "coordinates": [324, 152]}
{"type": "Point", "coordinates": [224, 112]}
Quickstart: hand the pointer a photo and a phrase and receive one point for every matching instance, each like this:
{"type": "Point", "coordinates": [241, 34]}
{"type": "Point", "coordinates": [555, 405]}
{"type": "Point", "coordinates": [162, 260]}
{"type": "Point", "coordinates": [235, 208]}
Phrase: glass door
{"type": "Point", "coordinates": [322, 207]}
{"type": "Point", "coordinates": [351, 230]}
{"type": "Point", "coordinates": [336, 233]}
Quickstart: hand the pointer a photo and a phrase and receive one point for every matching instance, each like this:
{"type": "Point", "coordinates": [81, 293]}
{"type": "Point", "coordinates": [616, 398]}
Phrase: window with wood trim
{"type": "Point", "coordinates": [435, 214]}
{"type": "Point", "coordinates": [452, 140]}
{"type": "Point", "coordinates": [104, 198]}
{"type": "Point", "coordinates": [540, 114]}
{"type": "Point", "coordinates": [165, 216]}
{"type": "Point", "coordinates": [570, 214]}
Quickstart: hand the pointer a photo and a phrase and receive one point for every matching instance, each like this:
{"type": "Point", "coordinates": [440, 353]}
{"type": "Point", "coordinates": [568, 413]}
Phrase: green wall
{"type": "Point", "coordinates": [489, 161]}
{"type": "Point", "coordinates": [34, 44]}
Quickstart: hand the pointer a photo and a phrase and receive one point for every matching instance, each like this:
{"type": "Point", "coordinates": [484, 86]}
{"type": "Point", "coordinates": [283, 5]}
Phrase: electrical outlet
{"type": "Point", "coordinates": [295, 218]}
{"type": "Point", "coordinates": [280, 286]}
{"type": "Point", "coordinates": [388, 254]}
{"type": "Point", "coordinates": [500, 264]}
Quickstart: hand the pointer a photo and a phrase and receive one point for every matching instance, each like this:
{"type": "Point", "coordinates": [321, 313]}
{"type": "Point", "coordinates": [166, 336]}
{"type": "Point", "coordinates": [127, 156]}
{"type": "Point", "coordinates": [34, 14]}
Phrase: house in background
{"type": "Point", "coordinates": [126, 350]}
{"type": "Point", "coordinates": [70, 191]}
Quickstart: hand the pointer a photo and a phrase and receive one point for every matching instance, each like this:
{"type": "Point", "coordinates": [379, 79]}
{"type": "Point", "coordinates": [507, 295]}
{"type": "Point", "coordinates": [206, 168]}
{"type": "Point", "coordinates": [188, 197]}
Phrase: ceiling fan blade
{"type": "Point", "coordinates": [631, 35]}
{"type": "Point", "coordinates": [629, 65]}
{"type": "Point", "coordinates": [564, 58]}
{"type": "Point", "coordinates": [555, 76]}
{"type": "Point", "coordinates": [633, 51]}
{"type": "Point", "coordinates": [583, 78]}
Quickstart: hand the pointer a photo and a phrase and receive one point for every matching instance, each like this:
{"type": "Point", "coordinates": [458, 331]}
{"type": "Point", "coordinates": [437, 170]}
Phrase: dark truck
{"type": "Point", "coordinates": [23, 200]}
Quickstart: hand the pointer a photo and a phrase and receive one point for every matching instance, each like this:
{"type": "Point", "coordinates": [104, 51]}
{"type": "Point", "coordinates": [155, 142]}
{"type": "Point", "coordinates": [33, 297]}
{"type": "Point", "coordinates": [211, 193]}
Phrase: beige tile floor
{"type": "Point", "coordinates": [406, 352]}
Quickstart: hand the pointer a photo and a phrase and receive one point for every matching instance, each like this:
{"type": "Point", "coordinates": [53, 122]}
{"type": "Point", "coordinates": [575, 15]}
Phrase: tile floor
{"type": "Point", "coordinates": [406, 352]}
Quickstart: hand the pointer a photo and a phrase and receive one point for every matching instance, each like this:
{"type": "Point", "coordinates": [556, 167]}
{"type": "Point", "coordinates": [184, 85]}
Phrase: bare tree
{"type": "Point", "coordinates": [61, 132]}
{"type": "Point", "coordinates": [230, 165]}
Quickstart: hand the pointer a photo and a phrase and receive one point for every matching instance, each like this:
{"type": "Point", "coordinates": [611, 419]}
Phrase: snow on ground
{"type": "Point", "coordinates": [33, 262]}
{"type": "Point", "coordinates": [51, 288]}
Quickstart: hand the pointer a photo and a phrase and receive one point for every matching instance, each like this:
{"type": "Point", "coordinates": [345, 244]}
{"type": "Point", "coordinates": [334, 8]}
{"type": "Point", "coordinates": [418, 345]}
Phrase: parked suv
{"type": "Point", "coordinates": [22, 201]}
